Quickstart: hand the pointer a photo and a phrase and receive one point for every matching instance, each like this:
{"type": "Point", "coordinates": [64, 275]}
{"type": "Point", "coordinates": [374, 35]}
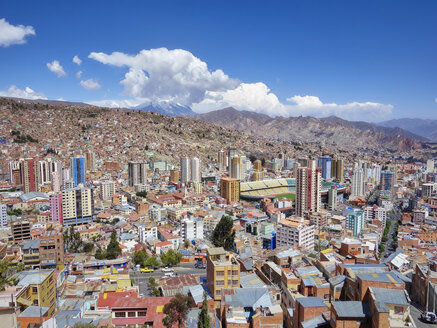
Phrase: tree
{"type": "Point", "coordinates": [171, 257]}
{"type": "Point", "coordinates": [72, 240]}
{"type": "Point", "coordinates": [113, 250]}
{"type": "Point", "coordinates": [152, 262]}
{"type": "Point", "coordinates": [176, 310]}
{"type": "Point", "coordinates": [142, 194]}
{"type": "Point", "coordinates": [140, 257]}
{"type": "Point", "coordinates": [203, 314]}
{"type": "Point", "coordinates": [222, 235]}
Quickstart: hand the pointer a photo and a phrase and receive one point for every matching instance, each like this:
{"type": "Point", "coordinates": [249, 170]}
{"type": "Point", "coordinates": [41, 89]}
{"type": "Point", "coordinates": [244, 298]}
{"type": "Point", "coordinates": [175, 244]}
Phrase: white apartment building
{"type": "Point", "coordinates": [107, 190]}
{"type": "Point", "coordinates": [77, 206]}
{"type": "Point", "coordinates": [192, 228]}
{"type": "Point", "coordinates": [195, 170]}
{"type": "Point", "coordinates": [295, 232]}
{"type": "Point", "coordinates": [3, 216]}
{"type": "Point", "coordinates": [147, 233]}
{"type": "Point", "coordinates": [375, 212]}
{"type": "Point", "coordinates": [357, 185]}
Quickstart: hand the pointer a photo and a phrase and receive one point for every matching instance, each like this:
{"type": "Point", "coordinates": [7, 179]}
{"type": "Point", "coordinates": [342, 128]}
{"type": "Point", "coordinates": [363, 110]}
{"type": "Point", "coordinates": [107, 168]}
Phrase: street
{"type": "Point", "coordinates": [141, 279]}
{"type": "Point", "coordinates": [415, 314]}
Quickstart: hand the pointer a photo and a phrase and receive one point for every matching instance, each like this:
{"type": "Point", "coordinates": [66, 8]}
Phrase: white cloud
{"type": "Point", "coordinates": [116, 103]}
{"type": "Point", "coordinates": [77, 60]}
{"type": "Point", "coordinates": [27, 93]}
{"type": "Point", "coordinates": [90, 84]}
{"type": "Point", "coordinates": [56, 68]}
{"type": "Point", "coordinates": [13, 34]}
{"type": "Point", "coordinates": [162, 74]}
{"type": "Point", "coordinates": [79, 74]}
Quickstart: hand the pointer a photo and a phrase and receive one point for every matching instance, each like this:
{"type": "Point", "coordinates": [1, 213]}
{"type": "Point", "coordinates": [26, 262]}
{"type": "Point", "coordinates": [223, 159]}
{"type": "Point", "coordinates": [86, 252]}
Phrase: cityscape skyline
{"type": "Point", "coordinates": [318, 60]}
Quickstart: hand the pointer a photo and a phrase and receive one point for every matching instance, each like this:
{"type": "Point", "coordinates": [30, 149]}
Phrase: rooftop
{"type": "Point", "coordinates": [351, 309]}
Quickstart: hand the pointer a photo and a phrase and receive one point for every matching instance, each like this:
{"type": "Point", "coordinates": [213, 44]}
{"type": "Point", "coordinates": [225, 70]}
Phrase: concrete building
{"type": "Point", "coordinates": [174, 176]}
{"type": "Point", "coordinates": [137, 173]}
{"type": "Point", "coordinates": [3, 216]}
{"type": "Point", "coordinates": [357, 185]}
{"type": "Point", "coordinates": [222, 160]}
{"type": "Point", "coordinates": [428, 189]}
{"type": "Point", "coordinates": [192, 228]}
{"type": "Point", "coordinates": [77, 206]}
{"type": "Point", "coordinates": [20, 231]}
{"type": "Point", "coordinates": [195, 170]}
{"type": "Point", "coordinates": [56, 208]}
{"type": "Point", "coordinates": [147, 233]}
{"type": "Point", "coordinates": [332, 198]}
{"type": "Point", "coordinates": [51, 250]}
{"type": "Point", "coordinates": [232, 152]}
{"type": "Point", "coordinates": [354, 220]}
{"type": "Point", "coordinates": [388, 182]}
{"type": "Point", "coordinates": [28, 174]}
{"type": "Point", "coordinates": [308, 189]}
{"type": "Point", "coordinates": [337, 170]}
{"type": "Point", "coordinates": [185, 170]}
{"type": "Point", "coordinates": [78, 166]}
{"type": "Point", "coordinates": [325, 163]}
{"type": "Point", "coordinates": [230, 190]}
{"type": "Point", "coordinates": [375, 212]}
{"type": "Point", "coordinates": [295, 232]}
{"type": "Point", "coordinates": [236, 168]}
{"type": "Point", "coordinates": [107, 190]}
{"type": "Point", "coordinates": [90, 161]}
{"type": "Point", "coordinates": [222, 271]}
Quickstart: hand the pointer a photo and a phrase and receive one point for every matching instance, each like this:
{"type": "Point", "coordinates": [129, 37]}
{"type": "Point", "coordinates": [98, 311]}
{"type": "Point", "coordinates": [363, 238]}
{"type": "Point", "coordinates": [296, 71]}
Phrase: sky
{"type": "Point", "coordinates": [359, 60]}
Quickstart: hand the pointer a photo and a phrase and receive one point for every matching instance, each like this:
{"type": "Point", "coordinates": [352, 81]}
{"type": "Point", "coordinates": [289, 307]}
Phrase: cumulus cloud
{"type": "Point", "coordinates": [162, 74]}
{"type": "Point", "coordinates": [56, 68]}
{"type": "Point", "coordinates": [27, 93]}
{"type": "Point", "coordinates": [90, 84]}
{"type": "Point", "coordinates": [116, 103]}
{"type": "Point", "coordinates": [79, 74]}
{"type": "Point", "coordinates": [13, 34]}
{"type": "Point", "coordinates": [77, 60]}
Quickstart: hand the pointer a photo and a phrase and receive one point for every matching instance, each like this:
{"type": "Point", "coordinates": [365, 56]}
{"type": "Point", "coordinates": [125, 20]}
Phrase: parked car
{"type": "Point", "coordinates": [429, 317]}
{"type": "Point", "coordinates": [147, 270]}
{"type": "Point", "coordinates": [200, 265]}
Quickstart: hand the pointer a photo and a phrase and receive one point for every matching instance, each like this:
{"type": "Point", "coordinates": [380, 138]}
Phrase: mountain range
{"type": "Point", "coordinates": [421, 127]}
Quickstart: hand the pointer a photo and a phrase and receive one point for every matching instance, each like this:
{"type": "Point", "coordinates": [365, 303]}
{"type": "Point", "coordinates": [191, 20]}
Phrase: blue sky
{"type": "Point", "coordinates": [361, 60]}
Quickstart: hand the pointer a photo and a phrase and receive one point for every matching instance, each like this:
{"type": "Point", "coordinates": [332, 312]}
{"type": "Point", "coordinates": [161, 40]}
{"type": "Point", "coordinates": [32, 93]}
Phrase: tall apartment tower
{"type": "Point", "coordinates": [230, 190]}
{"type": "Point", "coordinates": [107, 190]}
{"type": "Point", "coordinates": [77, 206]}
{"type": "Point", "coordinates": [185, 170]}
{"type": "Point", "coordinates": [56, 208]}
{"type": "Point", "coordinates": [324, 162]}
{"type": "Point", "coordinates": [236, 168]}
{"type": "Point", "coordinates": [14, 173]}
{"type": "Point", "coordinates": [137, 173]}
{"type": "Point", "coordinates": [357, 185]}
{"type": "Point", "coordinates": [337, 170]}
{"type": "Point", "coordinates": [3, 216]}
{"type": "Point", "coordinates": [195, 170]}
{"type": "Point", "coordinates": [222, 271]}
{"type": "Point", "coordinates": [308, 189]}
{"type": "Point", "coordinates": [222, 160]}
{"type": "Point", "coordinates": [51, 250]}
{"type": "Point", "coordinates": [174, 176]}
{"type": "Point", "coordinates": [232, 152]}
{"type": "Point", "coordinates": [77, 165]}
{"type": "Point", "coordinates": [388, 182]}
{"type": "Point", "coordinates": [90, 161]}
{"type": "Point", "coordinates": [29, 175]}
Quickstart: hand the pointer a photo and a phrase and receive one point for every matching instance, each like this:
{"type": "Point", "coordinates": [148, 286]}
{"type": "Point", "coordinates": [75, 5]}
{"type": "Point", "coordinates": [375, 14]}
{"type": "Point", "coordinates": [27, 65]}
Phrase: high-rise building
{"type": "Point", "coordinates": [257, 166]}
{"type": "Point", "coordinates": [332, 198]}
{"type": "Point", "coordinates": [236, 168]}
{"type": "Point", "coordinates": [56, 180]}
{"type": "Point", "coordinates": [230, 190]}
{"type": "Point", "coordinates": [51, 250]}
{"type": "Point", "coordinates": [185, 170]}
{"type": "Point", "coordinates": [258, 176]}
{"type": "Point", "coordinates": [195, 170]}
{"type": "Point", "coordinates": [192, 228]}
{"type": "Point", "coordinates": [354, 220]}
{"type": "Point", "coordinates": [430, 165]}
{"type": "Point", "coordinates": [174, 176]}
{"type": "Point", "coordinates": [56, 208]}
{"type": "Point", "coordinates": [222, 271]}
{"type": "Point", "coordinates": [357, 184]}
{"type": "Point", "coordinates": [43, 172]}
{"type": "Point", "coordinates": [295, 232]}
{"type": "Point", "coordinates": [137, 173]}
{"type": "Point", "coordinates": [77, 206]}
{"type": "Point", "coordinates": [107, 190]}
{"type": "Point", "coordinates": [308, 189]}
{"type": "Point", "coordinates": [3, 215]}
{"type": "Point", "coordinates": [29, 176]}
{"type": "Point", "coordinates": [388, 182]}
{"type": "Point", "coordinates": [222, 160]}
{"type": "Point", "coordinates": [14, 173]}
{"type": "Point", "coordinates": [337, 170]}
{"type": "Point", "coordinates": [90, 161]}
{"type": "Point", "coordinates": [324, 162]}
{"type": "Point", "coordinates": [232, 152]}
{"type": "Point", "coordinates": [77, 165]}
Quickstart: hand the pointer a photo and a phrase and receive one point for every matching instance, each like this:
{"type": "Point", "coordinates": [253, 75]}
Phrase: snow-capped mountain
{"type": "Point", "coordinates": [166, 108]}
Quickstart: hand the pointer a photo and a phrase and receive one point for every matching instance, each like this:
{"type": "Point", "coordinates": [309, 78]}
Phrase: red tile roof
{"type": "Point", "coordinates": [108, 300]}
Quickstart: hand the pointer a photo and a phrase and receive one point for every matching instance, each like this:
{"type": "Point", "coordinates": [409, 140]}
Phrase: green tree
{"type": "Point", "coordinates": [152, 262]}
{"type": "Point", "coordinates": [171, 257]}
{"type": "Point", "coordinates": [176, 310]}
{"type": "Point", "coordinates": [72, 240]}
{"type": "Point", "coordinates": [203, 314]}
{"type": "Point", "coordinates": [223, 235]}
{"type": "Point", "coordinates": [142, 194]}
{"type": "Point", "coordinates": [140, 257]}
{"type": "Point", "coordinates": [113, 250]}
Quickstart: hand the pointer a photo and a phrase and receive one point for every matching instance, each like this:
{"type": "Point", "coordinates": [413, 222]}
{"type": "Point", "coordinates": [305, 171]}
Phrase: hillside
{"type": "Point", "coordinates": [331, 130]}
{"type": "Point", "coordinates": [424, 128]}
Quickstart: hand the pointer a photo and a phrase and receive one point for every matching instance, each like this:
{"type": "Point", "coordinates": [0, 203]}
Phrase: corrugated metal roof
{"type": "Point", "coordinates": [311, 302]}
{"type": "Point", "coordinates": [390, 296]}
{"type": "Point", "coordinates": [351, 309]}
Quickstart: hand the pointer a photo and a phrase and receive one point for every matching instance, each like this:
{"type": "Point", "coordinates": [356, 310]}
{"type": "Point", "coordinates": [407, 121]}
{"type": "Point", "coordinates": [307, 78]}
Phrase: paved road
{"type": "Point", "coordinates": [141, 279]}
{"type": "Point", "coordinates": [415, 314]}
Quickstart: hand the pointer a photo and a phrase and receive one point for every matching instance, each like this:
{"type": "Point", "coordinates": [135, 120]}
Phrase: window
{"type": "Point", "coordinates": [142, 313]}
{"type": "Point", "coordinates": [131, 314]}
{"type": "Point", "coordinates": [220, 283]}
{"type": "Point", "coordinates": [234, 282]}
{"type": "Point", "coordinates": [220, 273]}
{"type": "Point", "coordinates": [235, 272]}
{"type": "Point", "coordinates": [399, 309]}
{"type": "Point", "coordinates": [120, 314]}
{"type": "Point", "coordinates": [35, 302]}
{"type": "Point", "coordinates": [34, 290]}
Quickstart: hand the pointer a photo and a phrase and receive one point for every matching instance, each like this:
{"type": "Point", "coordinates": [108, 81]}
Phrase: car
{"type": "Point", "coordinates": [146, 270]}
{"type": "Point", "coordinates": [200, 265]}
{"type": "Point", "coordinates": [429, 317]}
